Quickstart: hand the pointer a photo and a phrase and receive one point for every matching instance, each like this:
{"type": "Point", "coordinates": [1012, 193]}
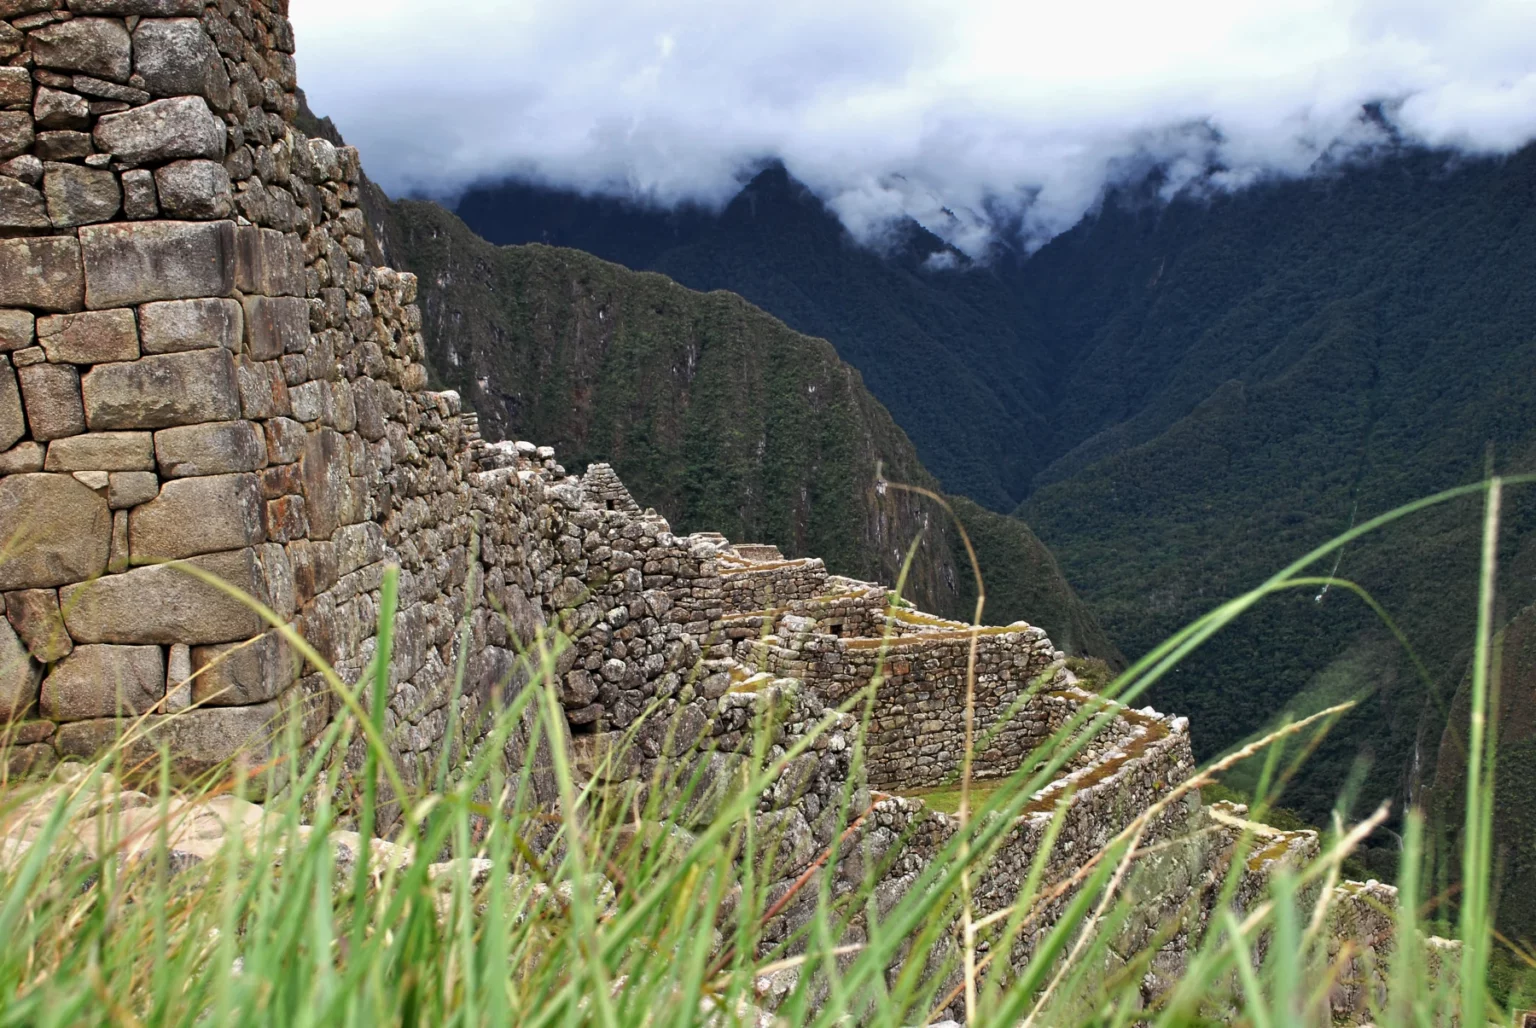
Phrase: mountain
{"type": "Point", "coordinates": [1181, 397]}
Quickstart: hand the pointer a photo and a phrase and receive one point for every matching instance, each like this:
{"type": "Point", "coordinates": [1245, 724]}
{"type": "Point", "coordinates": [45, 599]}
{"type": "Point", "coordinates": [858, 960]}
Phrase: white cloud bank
{"type": "Point", "coordinates": [948, 110]}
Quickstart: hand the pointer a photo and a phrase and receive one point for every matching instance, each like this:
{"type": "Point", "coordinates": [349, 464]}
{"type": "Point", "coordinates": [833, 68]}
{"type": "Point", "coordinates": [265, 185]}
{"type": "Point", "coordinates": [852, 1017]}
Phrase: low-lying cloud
{"type": "Point", "coordinates": [966, 116]}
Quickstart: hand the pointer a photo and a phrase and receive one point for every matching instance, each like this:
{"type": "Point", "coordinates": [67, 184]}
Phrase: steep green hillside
{"type": "Point", "coordinates": [712, 411]}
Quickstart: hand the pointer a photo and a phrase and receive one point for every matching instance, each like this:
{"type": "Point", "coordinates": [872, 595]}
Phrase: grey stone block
{"type": "Point", "coordinates": [175, 57]}
{"type": "Point", "coordinates": [269, 263]}
{"type": "Point", "coordinates": [165, 604]}
{"type": "Point", "coordinates": [64, 145]}
{"type": "Point", "coordinates": [56, 109]}
{"type": "Point", "coordinates": [34, 613]}
{"type": "Point", "coordinates": [149, 8]}
{"type": "Point", "coordinates": [16, 330]}
{"type": "Point", "coordinates": [44, 273]}
{"type": "Point", "coordinates": [162, 391]}
{"type": "Point", "coordinates": [178, 325]}
{"type": "Point", "coordinates": [129, 264]}
{"type": "Point", "coordinates": [193, 516]}
{"type": "Point", "coordinates": [95, 337]}
{"type": "Point", "coordinates": [20, 676]}
{"type": "Point", "coordinates": [21, 206]}
{"type": "Point", "coordinates": [104, 681]}
{"type": "Point", "coordinates": [275, 326]}
{"type": "Point", "coordinates": [22, 459]}
{"type": "Point", "coordinates": [94, 46]}
{"type": "Point", "coordinates": [51, 394]}
{"type": "Point", "coordinates": [62, 531]}
{"type": "Point", "coordinates": [201, 739]}
{"type": "Point", "coordinates": [166, 130]}
{"type": "Point", "coordinates": [102, 451]}
{"type": "Point", "coordinates": [12, 423]}
{"type": "Point", "coordinates": [213, 448]}
{"type": "Point", "coordinates": [140, 201]}
{"type": "Point", "coordinates": [195, 190]}
{"type": "Point", "coordinates": [16, 134]}
{"type": "Point", "coordinates": [80, 196]}
{"type": "Point", "coordinates": [244, 674]}
{"type": "Point", "coordinates": [15, 86]}
{"type": "Point", "coordinates": [127, 489]}
{"type": "Point", "coordinates": [285, 440]}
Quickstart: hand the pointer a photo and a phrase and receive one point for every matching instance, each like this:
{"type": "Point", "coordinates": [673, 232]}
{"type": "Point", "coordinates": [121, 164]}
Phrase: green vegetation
{"type": "Point", "coordinates": [577, 916]}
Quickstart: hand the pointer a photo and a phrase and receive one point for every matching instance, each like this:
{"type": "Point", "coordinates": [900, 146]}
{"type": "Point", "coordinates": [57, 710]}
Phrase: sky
{"type": "Point", "coordinates": [977, 117]}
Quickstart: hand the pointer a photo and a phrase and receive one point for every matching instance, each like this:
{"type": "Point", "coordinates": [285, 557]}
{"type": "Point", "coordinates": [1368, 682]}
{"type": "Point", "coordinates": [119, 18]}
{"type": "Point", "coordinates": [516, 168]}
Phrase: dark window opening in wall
{"type": "Point", "coordinates": [585, 728]}
{"type": "Point", "coordinates": [836, 628]}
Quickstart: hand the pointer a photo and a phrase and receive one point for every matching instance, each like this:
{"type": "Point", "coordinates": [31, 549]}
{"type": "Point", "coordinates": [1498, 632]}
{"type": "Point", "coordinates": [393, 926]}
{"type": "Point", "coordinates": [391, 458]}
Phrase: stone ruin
{"type": "Point", "coordinates": [199, 362]}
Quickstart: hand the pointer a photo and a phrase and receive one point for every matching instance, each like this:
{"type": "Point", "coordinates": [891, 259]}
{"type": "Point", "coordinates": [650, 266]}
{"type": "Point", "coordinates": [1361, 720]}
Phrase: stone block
{"type": "Point", "coordinates": [96, 337]}
{"type": "Point", "coordinates": [269, 263]}
{"type": "Point", "coordinates": [140, 201]}
{"type": "Point", "coordinates": [51, 394]}
{"type": "Point", "coordinates": [93, 46]}
{"type": "Point", "coordinates": [175, 57]}
{"type": "Point", "coordinates": [162, 391]}
{"type": "Point", "coordinates": [213, 448]}
{"type": "Point", "coordinates": [22, 207]}
{"type": "Point", "coordinates": [165, 604]}
{"type": "Point", "coordinates": [104, 681]}
{"type": "Point", "coordinates": [192, 516]}
{"type": "Point", "coordinates": [275, 326]}
{"type": "Point", "coordinates": [16, 330]}
{"type": "Point", "coordinates": [285, 519]}
{"type": "Point", "coordinates": [309, 401]}
{"type": "Point", "coordinates": [64, 145]}
{"type": "Point", "coordinates": [44, 272]}
{"type": "Point", "coordinates": [263, 393]}
{"type": "Point", "coordinates": [20, 676]}
{"type": "Point", "coordinates": [178, 680]}
{"type": "Point", "coordinates": [80, 196]}
{"type": "Point", "coordinates": [195, 190]}
{"type": "Point", "coordinates": [97, 482]}
{"type": "Point", "coordinates": [285, 440]}
{"type": "Point", "coordinates": [58, 531]}
{"type": "Point", "coordinates": [15, 86]}
{"type": "Point", "coordinates": [102, 451]}
{"type": "Point", "coordinates": [314, 568]}
{"type": "Point", "coordinates": [148, 8]}
{"type": "Point", "coordinates": [177, 325]}
{"type": "Point", "coordinates": [13, 425]}
{"type": "Point", "coordinates": [357, 546]}
{"type": "Point", "coordinates": [16, 134]}
{"type": "Point", "coordinates": [22, 459]}
{"type": "Point", "coordinates": [56, 109]}
{"type": "Point", "coordinates": [166, 130]}
{"type": "Point", "coordinates": [239, 675]}
{"type": "Point", "coordinates": [127, 489]}
{"type": "Point", "coordinates": [141, 262]}
{"type": "Point", "coordinates": [117, 557]}
{"type": "Point", "coordinates": [201, 739]}
{"type": "Point", "coordinates": [34, 614]}
{"type": "Point", "coordinates": [325, 475]}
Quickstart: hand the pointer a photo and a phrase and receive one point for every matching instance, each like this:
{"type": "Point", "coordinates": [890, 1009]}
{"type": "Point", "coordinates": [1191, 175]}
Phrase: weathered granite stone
{"type": "Point", "coordinates": [212, 448]}
{"type": "Point", "coordinates": [195, 190]}
{"type": "Point", "coordinates": [269, 263]}
{"type": "Point", "coordinates": [25, 168]}
{"type": "Point", "coordinates": [22, 459]}
{"type": "Point", "coordinates": [103, 681]}
{"type": "Point", "coordinates": [197, 515]}
{"type": "Point", "coordinates": [129, 489]}
{"type": "Point", "coordinates": [63, 145]}
{"type": "Point", "coordinates": [140, 201]}
{"type": "Point", "coordinates": [34, 613]}
{"type": "Point", "coordinates": [162, 391]}
{"type": "Point", "coordinates": [324, 481]}
{"type": "Point", "coordinates": [130, 264]}
{"type": "Point", "coordinates": [175, 57]}
{"type": "Point", "coordinates": [178, 325]}
{"type": "Point", "coordinates": [578, 689]}
{"type": "Point", "coordinates": [51, 394]}
{"type": "Point", "coordinates": [21, 206]}
{"type": "Point", "coordinates": [244, 674]}
{"type": "Point", "coordinates": [43, 272]}
{"type": "Point", "coordinates": [80, 196]}
{"type": "Point", "coordinates": [12, 423]}
{"type": "Point", "coordinates": [63, 531]}
{"type": "Point", "coordinates": [20, 676]}
{"type": "Point", "coordinates": [166, 130]}
{"type": "Point", "coordinates": [16, 133]}
{"type": "Point", "coordinates": [15, 86]}
{"type": "Point", "coordinates": [275, 326]}
{"type": "Point", "coordinates": [117, 556]}
{"type": "Point", "coordinates": [96, 337]}
{"type": "Point", "coordinates": [56, 109]}
{"type": "Point", "coordinates": [263, 393]}
{"type": "Point", "coordinates": [150, 8]}
{"type": "Point", "coordinates": [178, 679]}
{"type": "Point", "coordinates": [201, 739]}
{"type": "Point", "coordinates": [94, 46]}
{"type": "Point", "coordinates": [167, 605]}
{"type": "Point", "coordinates": [16, 330]}
{"type": "Point", "coordinates": [97, 482]}
{"type": "Point", "coordinates": [285, 440]}
{"type": "Point", "coordinates": [104, 90]}
{"type": "Point", "coordinates": [102, 451]}
{"type": "Point", "coordinates": [28, 733]}
{"type": "Point", "coordinates": [11, 40]}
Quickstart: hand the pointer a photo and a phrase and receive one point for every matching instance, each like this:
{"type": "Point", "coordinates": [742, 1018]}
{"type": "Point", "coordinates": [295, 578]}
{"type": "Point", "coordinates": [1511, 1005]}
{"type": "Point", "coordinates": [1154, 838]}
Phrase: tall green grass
{"type": "Point", "coordinates": [524, 892]}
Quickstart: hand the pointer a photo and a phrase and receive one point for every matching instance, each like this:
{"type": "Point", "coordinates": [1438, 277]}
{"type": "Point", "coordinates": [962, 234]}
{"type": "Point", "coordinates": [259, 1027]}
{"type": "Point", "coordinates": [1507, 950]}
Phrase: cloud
{"type": "Point", "coordinates": [966, 116]}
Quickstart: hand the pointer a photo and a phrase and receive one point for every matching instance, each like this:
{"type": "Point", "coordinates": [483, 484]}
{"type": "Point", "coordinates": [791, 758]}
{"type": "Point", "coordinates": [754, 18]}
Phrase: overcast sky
{"type": "Point", "coordinates": [905, 106]}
